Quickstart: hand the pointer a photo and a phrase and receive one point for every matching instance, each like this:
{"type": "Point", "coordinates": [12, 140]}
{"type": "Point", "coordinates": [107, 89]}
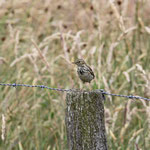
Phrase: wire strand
{"type": "Point", "coordinates": [68, 90]}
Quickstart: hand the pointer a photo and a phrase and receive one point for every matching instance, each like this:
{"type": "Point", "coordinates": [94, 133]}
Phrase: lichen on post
{"type": "Point", "coordinates": [85, 123]}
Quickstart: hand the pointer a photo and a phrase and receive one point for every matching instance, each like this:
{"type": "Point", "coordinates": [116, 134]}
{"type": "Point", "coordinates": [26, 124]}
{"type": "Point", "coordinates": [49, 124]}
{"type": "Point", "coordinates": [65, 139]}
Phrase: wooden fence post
{"type": "Point", "coordinates": [85, 123]}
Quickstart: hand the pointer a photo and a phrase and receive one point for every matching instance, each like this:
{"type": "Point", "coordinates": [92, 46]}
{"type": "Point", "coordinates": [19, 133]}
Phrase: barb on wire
{"type": "Point", "coordinates": [67, 90]}
{"type": "Point", "coordinates": [126, 96]}
{"type": "Point", "coordinates": [39, 86]}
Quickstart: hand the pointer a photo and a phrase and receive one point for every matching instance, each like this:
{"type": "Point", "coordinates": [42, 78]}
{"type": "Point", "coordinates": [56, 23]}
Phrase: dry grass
{"type": "Point", "coordinates": [38, 42]}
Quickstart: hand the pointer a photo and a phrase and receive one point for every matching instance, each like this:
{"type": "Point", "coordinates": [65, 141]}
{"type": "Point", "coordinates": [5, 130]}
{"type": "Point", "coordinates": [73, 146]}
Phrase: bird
{"type": "Point", "coordinates": [85, 73]}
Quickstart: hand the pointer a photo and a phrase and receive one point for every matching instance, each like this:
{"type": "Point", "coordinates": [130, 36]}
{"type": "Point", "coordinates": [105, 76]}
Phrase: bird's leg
{"type": "Point", "coordinates": [85, 86]}
{"type": "Point", "coordinates": [89, 86]}
{"type": "Point", "coordinates": [81, 86]}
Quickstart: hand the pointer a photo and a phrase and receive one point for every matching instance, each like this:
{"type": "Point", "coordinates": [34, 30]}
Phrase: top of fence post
{"type": "Point", "coordinates": [85, 120]}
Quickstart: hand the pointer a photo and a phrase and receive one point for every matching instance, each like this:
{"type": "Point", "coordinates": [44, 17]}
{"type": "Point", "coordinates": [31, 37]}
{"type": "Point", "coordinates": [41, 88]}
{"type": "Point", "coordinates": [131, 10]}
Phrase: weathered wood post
{"type": "Point", "coordinates": [85, 123]}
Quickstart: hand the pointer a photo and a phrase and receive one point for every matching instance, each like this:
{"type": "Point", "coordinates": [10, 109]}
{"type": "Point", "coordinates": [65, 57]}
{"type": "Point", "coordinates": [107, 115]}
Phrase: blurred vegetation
{"type": "Point", "coordinates": [38, 42]}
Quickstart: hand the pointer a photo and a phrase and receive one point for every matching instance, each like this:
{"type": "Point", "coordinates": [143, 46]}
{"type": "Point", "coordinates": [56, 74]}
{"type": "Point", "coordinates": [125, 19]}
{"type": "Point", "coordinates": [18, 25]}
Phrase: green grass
{"type": "Point", "coordinates": [63, 31]}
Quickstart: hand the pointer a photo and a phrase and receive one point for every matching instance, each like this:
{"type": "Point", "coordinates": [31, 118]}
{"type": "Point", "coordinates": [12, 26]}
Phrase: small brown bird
{"type": "Point", "coordinates": [84, 71]}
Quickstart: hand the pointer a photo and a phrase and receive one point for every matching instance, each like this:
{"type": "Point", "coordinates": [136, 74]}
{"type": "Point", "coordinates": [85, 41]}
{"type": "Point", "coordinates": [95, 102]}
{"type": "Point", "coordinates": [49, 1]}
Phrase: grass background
{"type": "Point", "coordinates": [38, 42]}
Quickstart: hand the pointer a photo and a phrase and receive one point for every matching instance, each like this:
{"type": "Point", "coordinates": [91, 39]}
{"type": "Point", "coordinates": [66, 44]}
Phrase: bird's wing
{"type": "Point", "coordinates": [90, 70]}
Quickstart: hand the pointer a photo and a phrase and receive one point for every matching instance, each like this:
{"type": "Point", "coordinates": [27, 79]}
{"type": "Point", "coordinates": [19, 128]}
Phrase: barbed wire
{"type": "Point", "coordinates": [68, 90]}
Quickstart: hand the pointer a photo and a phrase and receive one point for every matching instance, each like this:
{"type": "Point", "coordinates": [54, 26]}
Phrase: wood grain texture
{"type": "Point", "coordinates": [85, 123]}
